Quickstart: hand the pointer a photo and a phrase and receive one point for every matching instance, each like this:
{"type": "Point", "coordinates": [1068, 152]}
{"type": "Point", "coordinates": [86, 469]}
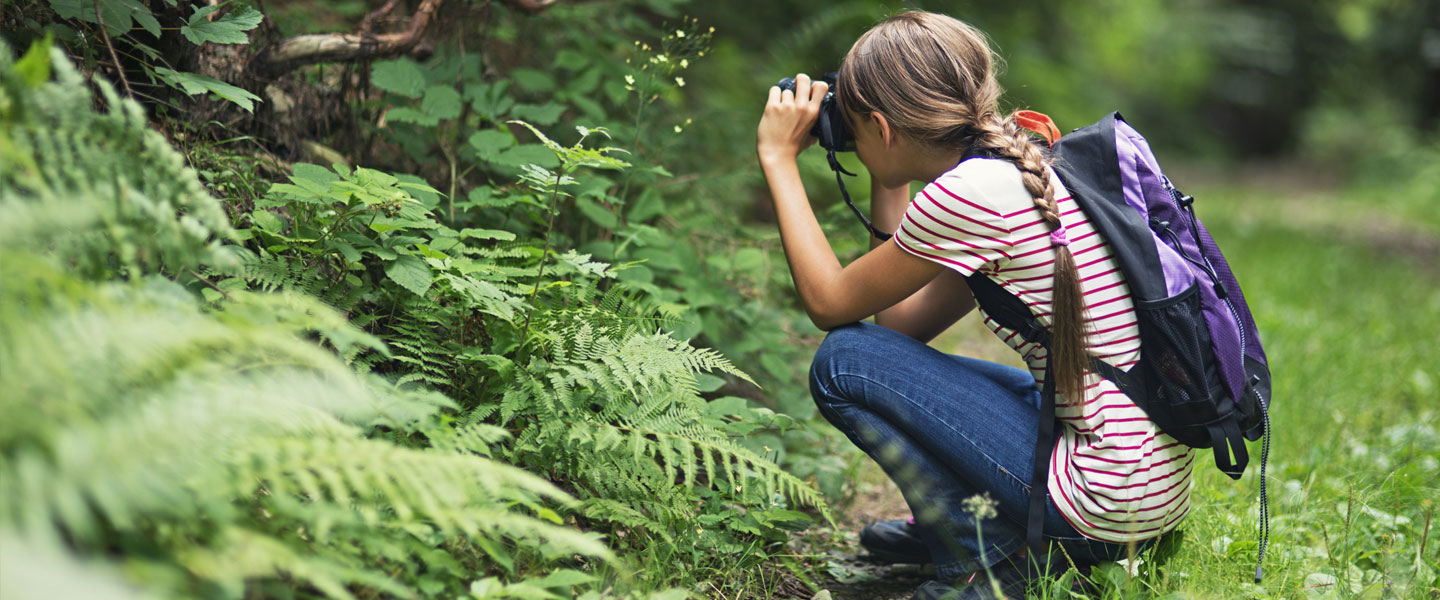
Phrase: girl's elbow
{"type": "Point", "coordinates": [826, 319]}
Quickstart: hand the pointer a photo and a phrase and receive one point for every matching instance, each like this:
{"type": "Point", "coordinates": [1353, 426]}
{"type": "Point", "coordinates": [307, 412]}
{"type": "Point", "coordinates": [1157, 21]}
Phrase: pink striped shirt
{"type": "Point", "coordinates": [1114, 475]}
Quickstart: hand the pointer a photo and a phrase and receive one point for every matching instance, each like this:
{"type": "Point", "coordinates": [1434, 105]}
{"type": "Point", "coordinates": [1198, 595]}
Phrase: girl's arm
{"type": "Point", "coordinates": [938, 305]}
{"type": "Point", "coordinates": [832, 295]}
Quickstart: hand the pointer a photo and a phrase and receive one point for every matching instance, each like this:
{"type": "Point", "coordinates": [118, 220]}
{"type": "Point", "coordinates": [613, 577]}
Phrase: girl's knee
{"type": "Point", "coordinates": [844, 349]}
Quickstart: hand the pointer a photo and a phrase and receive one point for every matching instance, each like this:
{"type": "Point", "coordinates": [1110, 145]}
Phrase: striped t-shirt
{"type": "Point", "coordinates": [1113, 475]}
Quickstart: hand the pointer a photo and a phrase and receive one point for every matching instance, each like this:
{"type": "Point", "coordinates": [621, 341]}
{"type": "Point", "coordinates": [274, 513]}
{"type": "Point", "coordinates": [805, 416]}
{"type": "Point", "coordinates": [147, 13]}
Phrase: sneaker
{"type": "Point", "coordinates": [895, 542]}
{"type": "Point", "coordinates": [977, 587]}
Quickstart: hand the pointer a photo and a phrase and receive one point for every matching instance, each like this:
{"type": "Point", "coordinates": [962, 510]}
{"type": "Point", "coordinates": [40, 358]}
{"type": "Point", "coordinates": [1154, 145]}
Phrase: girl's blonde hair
{"type": "Point", "coordinates": [933, 77]}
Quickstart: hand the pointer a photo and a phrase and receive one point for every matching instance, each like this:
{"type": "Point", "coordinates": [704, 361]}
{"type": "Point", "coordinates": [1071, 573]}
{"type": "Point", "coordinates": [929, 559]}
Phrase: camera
{"type": "Point", "coordinates": [830, 126]}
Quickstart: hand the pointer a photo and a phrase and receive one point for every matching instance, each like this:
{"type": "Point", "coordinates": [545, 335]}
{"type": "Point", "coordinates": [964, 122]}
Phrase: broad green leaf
{"type": "Point", "coordinates": [193, 84]}
{"type": "Point", "coordinates": [405, 114]}
{"type": "Point", "coordinates": [543, 114]}
{"type": "Point", "coordinates": [441, 102]}
{"type": "Point", "coordinates": [229, 29]}
{"type": "Point", "coordinates": [489, 99]}
{"type": "Point", "coordinates": [565, 577]}
{"type": "Point", "coordinates": [584, 84]}
{"type": "Point", "coordinates": [411, 273]}
{"type": "Point", "coordinates": [314, 173]}
{"type": "Point", "coordinates": [401, 76]}
{"type": "Point", "coordinates": [533, 80]}
{"type": "Point", "coordinates": [706, 382]}
{"type": "Point", "coordinates": [147, 21]}
{"type": "Point", "coordinates": [487, 234]}
{"type": "Point", "coordinates": [489, 142]}
{"type": "Point", "coordinates": [597, 213]}
{"type": "Point", "coordinates": [727, 405]}
{"type": "Point", "coordinates": [346, 250]}
{"type": "Point", "coordinates": [591, 108]}
{"type": "Point", "coordinates": [116, 13]}
{"type": "Point", "coordinates": [267, 221]}
{"type": "Point", "coordinates": [570, 59]}
{"type": "Point", "coordinates": [648, 205]}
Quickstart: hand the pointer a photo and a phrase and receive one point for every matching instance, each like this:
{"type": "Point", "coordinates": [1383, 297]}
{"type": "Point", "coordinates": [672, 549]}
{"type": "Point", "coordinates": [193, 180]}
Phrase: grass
{"type": "Point", "coordinates": [1348, 304]}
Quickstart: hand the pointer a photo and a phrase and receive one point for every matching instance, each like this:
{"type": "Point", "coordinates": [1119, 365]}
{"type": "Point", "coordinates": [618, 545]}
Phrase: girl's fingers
{"type": "Point", "coordinates": [802, 87]}
{"type": "Point", "coordinates": [774, 96]}
{"type": "Point", "coordinates": [817, 94]}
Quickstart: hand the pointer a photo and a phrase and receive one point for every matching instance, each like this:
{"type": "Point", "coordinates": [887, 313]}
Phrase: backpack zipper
{"type": "Point", "coordinates": [1188, 209]}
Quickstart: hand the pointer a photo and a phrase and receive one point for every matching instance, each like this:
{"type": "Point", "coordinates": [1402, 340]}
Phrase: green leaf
{"type": "Point", "coordinates": [592, 109]}
{"type": "Point", "coordinates": [148, 21]}
{"type": "Point", "coordinates": [533, 80]}
{"type": "Point", "coordinates": [117, 13]}
{"type": "Point", "coordinates": [401, 76]}
{"type": "Point", "coordinates": [597, 213]}
{"type": "Point", "coordinates": [728, 405]}
{"type": "Point", "coordinates": [441, 102]}
{"type": "Point", "coordinates": [489, 142]}
{"type": "Point", "coordinates": [405, 114]}
{"type": "Point", "coordinates": [346, 250]}
{"type": "Point", "coordinates": [193, 84]}
{"type": "Point", "coordinates": [543, 114]}
{"type": "Point", "coordinates": [706, 382]}
{"type": "Point", "coordinates": [411, 273]}
{"type": "Point", "coordinates": [267, 221]}
{"type": "Point", "coordinates": [571, 60]}
{"type": "Point", "coordinates": [566, 578]}
{"type": "Point", "coordinates": [229, 29]}
{"type": "Point", "coordinates": [305, 174]}
{"type": "Point", "coordinates": [783, 518]}
{"type": "Point", "coordinates": [487, 234]}
{"type": "Point", "coordinates": [649, 205]}
{"type": "Point", "coordinates": [490, 100]}
{"type": "Point", "coordinates": [34, 67]}
{"type": "Point", "coordinates": [549, 515]}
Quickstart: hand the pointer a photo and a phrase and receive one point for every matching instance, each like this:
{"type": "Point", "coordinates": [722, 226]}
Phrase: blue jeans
{"type": "Point", "coordinates": [944, 428]}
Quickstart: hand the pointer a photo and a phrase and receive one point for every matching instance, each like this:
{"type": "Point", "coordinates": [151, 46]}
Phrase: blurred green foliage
{"type": "Point", "coordinates": [521, 278]}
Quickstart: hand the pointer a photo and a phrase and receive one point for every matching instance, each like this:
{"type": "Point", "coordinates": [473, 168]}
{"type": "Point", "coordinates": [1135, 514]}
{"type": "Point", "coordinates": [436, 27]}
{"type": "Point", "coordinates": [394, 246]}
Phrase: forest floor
{"type": "Point", "coordinates": [1326, 274]}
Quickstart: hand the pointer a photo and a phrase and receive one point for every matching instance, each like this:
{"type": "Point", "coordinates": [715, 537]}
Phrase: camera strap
{"type": "Point", "coordinates": [835, 166]}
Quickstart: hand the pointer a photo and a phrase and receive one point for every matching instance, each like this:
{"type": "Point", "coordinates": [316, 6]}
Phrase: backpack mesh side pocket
{"type": "Point", "coordinates": [1179, 371]}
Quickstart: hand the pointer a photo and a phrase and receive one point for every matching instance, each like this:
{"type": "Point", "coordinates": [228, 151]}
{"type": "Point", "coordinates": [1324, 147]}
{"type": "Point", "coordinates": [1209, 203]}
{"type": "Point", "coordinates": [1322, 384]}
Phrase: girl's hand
{"type": "Point", "coordinates": [785, 127]}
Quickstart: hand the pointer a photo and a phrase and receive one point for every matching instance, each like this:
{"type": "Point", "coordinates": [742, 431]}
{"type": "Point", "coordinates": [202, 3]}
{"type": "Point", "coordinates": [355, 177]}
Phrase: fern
{"type": "Point", "coordinates": [614, 411]}
{"type": "Point", "coordinates": [59, 150]}
{"type": "Point", "coordinates": [232, 450]}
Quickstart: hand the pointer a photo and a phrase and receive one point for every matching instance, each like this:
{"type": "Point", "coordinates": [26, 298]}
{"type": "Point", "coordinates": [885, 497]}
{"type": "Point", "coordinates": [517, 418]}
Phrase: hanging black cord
{"type": "Point", "coordinates": [835, 166]}
{"type": "Point", "coordinates": [1264, 498]}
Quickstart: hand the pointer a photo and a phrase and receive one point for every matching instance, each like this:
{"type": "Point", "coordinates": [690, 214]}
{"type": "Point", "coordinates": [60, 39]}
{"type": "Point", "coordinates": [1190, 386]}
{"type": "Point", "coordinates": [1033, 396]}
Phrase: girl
{"type": "Point", "coordinates": [919, 93]}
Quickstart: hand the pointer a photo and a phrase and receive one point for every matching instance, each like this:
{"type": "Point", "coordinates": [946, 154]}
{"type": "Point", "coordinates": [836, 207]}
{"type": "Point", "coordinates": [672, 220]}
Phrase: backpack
{"type": "Point", "coordinates": [1202, 377]}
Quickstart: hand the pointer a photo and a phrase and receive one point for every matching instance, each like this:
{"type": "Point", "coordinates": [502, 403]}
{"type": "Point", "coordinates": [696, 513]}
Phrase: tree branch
{"type": "Point", "coordinates": [298, 51]}
{"type": "Point", "coordinates": [119, 69]}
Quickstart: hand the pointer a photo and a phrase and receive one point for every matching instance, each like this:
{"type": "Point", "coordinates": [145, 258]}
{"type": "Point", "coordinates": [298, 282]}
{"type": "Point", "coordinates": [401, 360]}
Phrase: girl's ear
{"type": "Point", "coordinates": [887, 134]}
